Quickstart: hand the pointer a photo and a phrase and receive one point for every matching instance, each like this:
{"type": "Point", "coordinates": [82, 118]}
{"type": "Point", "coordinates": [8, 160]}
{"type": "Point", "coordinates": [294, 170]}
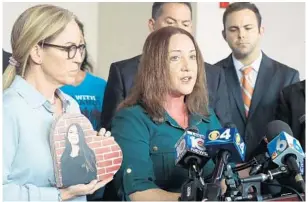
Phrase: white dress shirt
{"type": "Point", "coordinates": [253, 75]}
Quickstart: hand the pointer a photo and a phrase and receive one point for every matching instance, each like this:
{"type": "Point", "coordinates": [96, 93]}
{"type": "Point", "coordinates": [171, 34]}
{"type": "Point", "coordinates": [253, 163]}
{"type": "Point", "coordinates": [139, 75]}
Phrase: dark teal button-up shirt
{"type": "Point", "coordinates": [149, 153]}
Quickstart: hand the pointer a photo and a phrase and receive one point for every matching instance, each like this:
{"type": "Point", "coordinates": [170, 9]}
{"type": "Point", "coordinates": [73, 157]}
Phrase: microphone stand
{"type": "Point", "coordinates": [255, 182]}
{"type": "Point", "coordinates": [235, 192]}
{"type": "Point", "coordinates": [213, 189]}
{"type": "Point", "coordinates": [295, 172]}
{"type": "Point", "coordinates": [232, 190]}
{"type": "Point", "coordinates": [193, 188]}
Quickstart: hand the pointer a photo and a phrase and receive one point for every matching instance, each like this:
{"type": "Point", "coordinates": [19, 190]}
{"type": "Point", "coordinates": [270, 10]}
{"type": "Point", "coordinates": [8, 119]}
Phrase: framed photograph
{"type": "Point", "coordinates": [79, 155]}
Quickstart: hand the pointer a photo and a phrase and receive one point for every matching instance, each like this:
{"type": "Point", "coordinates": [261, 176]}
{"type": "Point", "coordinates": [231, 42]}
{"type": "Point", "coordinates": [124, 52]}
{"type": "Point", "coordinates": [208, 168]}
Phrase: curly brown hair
{"type": "Point", "coordinates": [152, 82]}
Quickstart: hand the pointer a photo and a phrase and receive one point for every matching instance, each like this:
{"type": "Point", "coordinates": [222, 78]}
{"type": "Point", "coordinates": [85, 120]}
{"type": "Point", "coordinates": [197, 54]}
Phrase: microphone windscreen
{"type": "Point", "coordinates": [276, 127]}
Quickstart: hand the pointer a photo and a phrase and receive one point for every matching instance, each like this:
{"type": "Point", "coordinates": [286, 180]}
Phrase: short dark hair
{"type": "Point", "coordinates": [238, 6]}
{"type": "Point", "coordinates": [157, 8]}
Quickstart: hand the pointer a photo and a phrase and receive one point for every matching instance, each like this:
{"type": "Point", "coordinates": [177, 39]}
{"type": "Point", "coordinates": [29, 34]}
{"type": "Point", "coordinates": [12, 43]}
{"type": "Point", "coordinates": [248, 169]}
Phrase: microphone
{"type": "Point", "coordinates": [191, 154]}
{"type": "Point", "coordinates": [225, 144]}
{"type": "Point", "coordinates": [190, 149]}
{"type": "Point", "coordinates": [261, 157]}
{"type": "Point", "coordinates": [284, 149]}
{"type": "Point", "coordinates": [264, 162]}
{"type": "Point", "coordinates": [226, 139]}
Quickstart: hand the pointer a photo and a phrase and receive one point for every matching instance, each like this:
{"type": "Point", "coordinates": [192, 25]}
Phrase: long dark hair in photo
{"type": "Point", "coordinates": [84, 150]}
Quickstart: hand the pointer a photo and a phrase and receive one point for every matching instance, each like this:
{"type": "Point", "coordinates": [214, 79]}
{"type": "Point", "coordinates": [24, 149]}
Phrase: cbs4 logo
{"type": "Point", "coordinates": [214, 135]}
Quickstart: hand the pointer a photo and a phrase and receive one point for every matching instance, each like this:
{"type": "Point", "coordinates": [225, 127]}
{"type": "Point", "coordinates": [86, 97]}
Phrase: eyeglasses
{"type": "Point", "coordinates": [71, 50]}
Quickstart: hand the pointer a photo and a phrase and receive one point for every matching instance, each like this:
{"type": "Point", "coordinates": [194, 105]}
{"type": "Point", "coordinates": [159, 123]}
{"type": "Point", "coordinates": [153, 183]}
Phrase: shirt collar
{"type": "Point", "coordinates": [194, 119]}
{"type": "Point", "coordinates": [255, 65]}
{"type": "Point", "coordinates": [32, 96]}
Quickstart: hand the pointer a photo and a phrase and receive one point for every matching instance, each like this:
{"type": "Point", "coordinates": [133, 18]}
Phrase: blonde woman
{"type": "Point", "coordinates": [47, 51]}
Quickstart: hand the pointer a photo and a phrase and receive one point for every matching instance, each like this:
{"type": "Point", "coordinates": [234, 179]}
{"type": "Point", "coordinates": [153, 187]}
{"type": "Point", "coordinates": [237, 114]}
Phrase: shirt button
{"type": "Point", "coordinates": [129, 170]}
{"type": "Point", "coordinates": [155, 148]}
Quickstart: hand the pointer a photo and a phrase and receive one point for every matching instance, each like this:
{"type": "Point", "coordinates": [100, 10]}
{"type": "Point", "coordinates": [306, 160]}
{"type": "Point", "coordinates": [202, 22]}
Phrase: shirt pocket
{"type": "Point", "coordinates": [162, 153]}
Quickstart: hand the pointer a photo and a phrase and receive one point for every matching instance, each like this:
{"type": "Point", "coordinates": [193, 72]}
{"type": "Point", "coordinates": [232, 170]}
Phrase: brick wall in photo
{"type": "Point", "coordinates": [107, 151]}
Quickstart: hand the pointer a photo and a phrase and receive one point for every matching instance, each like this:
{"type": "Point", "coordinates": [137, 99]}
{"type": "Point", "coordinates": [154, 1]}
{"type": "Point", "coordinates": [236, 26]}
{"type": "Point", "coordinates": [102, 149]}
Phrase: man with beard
{"type": "Point", "coordinates": [254, 80]}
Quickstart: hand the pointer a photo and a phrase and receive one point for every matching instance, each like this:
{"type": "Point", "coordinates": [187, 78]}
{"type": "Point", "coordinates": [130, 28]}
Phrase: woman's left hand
{"type": "Point", "coordinates": [83, 189]}
{"type": "Point", "coordinates": [103, 132]}
{"type": "Point", "coordinates": [100, 184]}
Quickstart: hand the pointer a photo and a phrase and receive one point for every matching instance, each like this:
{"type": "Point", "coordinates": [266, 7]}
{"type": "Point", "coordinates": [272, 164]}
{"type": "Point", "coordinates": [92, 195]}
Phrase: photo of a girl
{"type": "Point", "coordinates": [78, 163]}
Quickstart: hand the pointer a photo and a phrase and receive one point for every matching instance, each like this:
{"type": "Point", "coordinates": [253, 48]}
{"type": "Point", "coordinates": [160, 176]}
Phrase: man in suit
{"type": "Point", "coordinates": [5, 59]}
{"type": "Point", "coordinates": [254, 80]}
{"type": "Point", "coordinates": [291, 109]}
{"type": "Point", "coordinates": [122, 73]}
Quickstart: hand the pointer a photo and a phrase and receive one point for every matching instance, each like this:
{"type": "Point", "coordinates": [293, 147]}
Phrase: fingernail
{"type": "Point", "coordinates": [108, 134]}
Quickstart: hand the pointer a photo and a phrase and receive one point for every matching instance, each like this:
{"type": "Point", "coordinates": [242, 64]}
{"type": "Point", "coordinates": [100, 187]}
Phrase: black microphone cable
{"type": "Point", "coordinates": [235, 169]}
{"type": "Point", "coordinates": [243, 167]}
{"type": "Point", "coordinates": [287, 187]}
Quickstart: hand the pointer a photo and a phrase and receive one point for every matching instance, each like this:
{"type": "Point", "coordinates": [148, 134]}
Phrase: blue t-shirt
{"type": "Point", "coordinates": [89, 94]}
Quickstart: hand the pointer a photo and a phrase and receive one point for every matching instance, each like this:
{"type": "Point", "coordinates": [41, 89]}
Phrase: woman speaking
{"type": "Point", "coordinates": [169, 95]}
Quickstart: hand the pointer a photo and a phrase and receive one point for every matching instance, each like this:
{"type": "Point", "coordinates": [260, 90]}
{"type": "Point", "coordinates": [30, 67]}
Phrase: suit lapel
{"type": "Point", "coordinates": [264, 78]}
{"type": "Point", "coordinates": [234, 86]}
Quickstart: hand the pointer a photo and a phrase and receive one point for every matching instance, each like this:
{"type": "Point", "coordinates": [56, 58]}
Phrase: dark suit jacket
{"type": "Point", "coordinates": [272, 78]}
{"type": "Point", "coordinates": [291, 109]}
{"type": "Point", "coordinates": [121, 78]}
{"type": "Point", "coordinates": [5, 59]}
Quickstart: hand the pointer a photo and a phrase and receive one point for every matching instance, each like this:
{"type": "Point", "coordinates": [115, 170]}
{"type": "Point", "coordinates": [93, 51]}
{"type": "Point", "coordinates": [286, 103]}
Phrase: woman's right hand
{"type": "Point", "coordinates": [82, 189]}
